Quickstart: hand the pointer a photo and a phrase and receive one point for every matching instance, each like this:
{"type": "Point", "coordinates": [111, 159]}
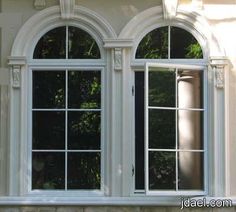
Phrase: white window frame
{"type": "Point", "coordinates": [61, 192]}
{"type": "Point", "coordinates": [189, 192]}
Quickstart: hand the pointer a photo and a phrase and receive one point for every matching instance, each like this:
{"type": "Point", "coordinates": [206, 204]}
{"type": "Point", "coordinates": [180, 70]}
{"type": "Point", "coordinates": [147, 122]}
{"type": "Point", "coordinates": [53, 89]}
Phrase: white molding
{"type": "Point", "coordinates": [67, 9]}
{"type": "Point", "coordinates": [194, 22]}
{"type": "Point", "coordinates": [218, 64]}
{"type": "Point", "coordinates": [50, 18]}
{"type": "Point", "coordinates": [169, 8]}
{"type": "Point", "coordinates": [39, 4]}
{"type": "Point", "coordinates": [118, 43]}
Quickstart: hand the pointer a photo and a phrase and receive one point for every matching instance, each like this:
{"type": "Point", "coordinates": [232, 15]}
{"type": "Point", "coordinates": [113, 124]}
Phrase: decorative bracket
{"type": "Point", "coordinates": [118, 59]}
{"type": "Point", "coordinates": [39, 4]}
{"type": "Point", "coordinates": [169, 8]}
{"type": "Point", "coordinates": [197, 4]}
{"type": "Point", "coordinates": [67, 9]}
{"type": "Point", "coordinates": [16, 64]}
{"type": "Point", "coordinates": [218, 65]}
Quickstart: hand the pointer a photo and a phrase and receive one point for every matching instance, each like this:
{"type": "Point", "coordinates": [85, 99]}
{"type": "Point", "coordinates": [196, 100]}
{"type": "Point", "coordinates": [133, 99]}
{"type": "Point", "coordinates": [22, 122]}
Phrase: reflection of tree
{"type": "Point", "coordinates": [162, 170]}
{"type": "Point", "coordinates": [84, 89]}
{"type": "Point", "coordinates": [52, 45]}
{"type": "Point", "coordinates": [154, 45]}
{"type": "Point", "coordinates": [82, 45]}
{"type": "Point", "coordinates": [84, 130]}
{"type": "Point", "coordinates": [182, 45]}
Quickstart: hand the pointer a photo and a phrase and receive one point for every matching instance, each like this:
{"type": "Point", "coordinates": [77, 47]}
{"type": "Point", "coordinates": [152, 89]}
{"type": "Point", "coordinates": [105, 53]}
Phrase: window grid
{"type": "Point", "coordinates": [66, 110]}
{"type": "Point", "coordinates": [176, 150]}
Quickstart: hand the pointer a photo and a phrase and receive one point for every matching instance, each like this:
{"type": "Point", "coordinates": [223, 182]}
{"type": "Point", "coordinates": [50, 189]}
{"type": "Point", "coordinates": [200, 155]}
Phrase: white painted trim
{"type": "Point", "coordinates": [50, 17]}
{"type": "Point", "coordinates": [67, 9]}
{"type": "Point", "coordinates": [169, 8]}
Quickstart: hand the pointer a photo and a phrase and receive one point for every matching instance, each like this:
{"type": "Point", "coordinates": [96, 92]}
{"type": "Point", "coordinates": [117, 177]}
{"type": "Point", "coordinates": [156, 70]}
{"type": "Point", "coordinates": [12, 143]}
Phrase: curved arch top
{"type": "Point", "coordinates": [152, 18]}
{"type": "Point", "coordinates": [51, 17]}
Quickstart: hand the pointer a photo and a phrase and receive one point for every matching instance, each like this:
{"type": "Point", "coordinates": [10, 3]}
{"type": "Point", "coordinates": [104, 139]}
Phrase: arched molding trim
{"type": "Point", "coordinates": [49, 18]}
{"type": "Point", "coordinates": [193, 22]}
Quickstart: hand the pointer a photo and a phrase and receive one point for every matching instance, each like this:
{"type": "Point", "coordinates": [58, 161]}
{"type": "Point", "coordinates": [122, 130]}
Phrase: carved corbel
{"type": "Point", "coordinates": [118, 59]}
{"type": "Point", "coordinates": [218, 65]}
{"type": "Point", "coordinates": [16, 64]}
{"type": "Point", "coordinates": [67, 9]}
{"type": "Point", "coordinates": [39, 4]}
{"type": "Point", "coordinates": [169, 8]}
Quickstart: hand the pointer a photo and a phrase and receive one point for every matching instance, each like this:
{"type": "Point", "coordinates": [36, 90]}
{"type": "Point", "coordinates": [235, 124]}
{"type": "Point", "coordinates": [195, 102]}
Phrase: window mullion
{"type": "Point", "coordinates": [176, 130]}
{"type": "Point", "coordinates": [67, 41]}
{"type": "Point", "coordinates": [66, 128]}
{"type": "Point", "coordinates": [168, 42]}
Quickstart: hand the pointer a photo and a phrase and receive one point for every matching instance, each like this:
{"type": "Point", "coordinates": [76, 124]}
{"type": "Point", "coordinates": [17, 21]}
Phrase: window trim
{"type": "Point", "coordinates": [205, 131]}
{"type": "Point", "coordinates": [77, 192]}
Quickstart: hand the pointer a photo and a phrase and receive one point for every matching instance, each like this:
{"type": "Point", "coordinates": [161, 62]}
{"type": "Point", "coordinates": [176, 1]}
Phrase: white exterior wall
{"type": "Point", "coordinates": [220, 14]}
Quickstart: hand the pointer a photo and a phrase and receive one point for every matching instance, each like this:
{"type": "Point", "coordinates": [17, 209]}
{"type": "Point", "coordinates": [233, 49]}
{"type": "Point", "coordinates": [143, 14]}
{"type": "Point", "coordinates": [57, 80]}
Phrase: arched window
{"type": "Point", "coordinates": [66, 113]}
{"type": "Point", "coordinates": [169, 114]}
{"type": "Point", "coordinates": [169, 42]}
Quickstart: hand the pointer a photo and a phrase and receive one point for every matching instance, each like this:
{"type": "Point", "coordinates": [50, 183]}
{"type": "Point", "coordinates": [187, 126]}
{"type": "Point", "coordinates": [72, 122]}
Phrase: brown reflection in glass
{"type": "Point", "coordinates": [48, 170]}
{"type": "Point", "coordinates": [184, 45]}
{"type": "Point", "coordinates": [84, 89]}
{"type": "Point", "coordinates": [161, 89]}
{"type": "Point", "coordinates": [52, 45]}
{"type": "Point", "coordinates": [48, 130]}
{"type": "Point", "coordinates": [48, 89]}
{"type": "Point", "coordinates": [162, 170]}
{"type": "Point", "coordinates": [84, 130]}
{"type": "Point", "coordinates": [190, 170]}
{"type": "Point", "coordinates": [190, 89]}
{"type": "Point", "coordinates": [190, 129]}
{"type": "Point", "coordinates": [82, 45]}
{"type": "Point", "coordinates": [154, 45]}
{"type": "Point", "coordinates": [84, 170]}
{"type": "Point", "coordinates": [162, 129]}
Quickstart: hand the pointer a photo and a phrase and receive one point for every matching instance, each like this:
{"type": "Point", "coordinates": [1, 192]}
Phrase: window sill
{"type": "Point", "coordinates": [99, 201]}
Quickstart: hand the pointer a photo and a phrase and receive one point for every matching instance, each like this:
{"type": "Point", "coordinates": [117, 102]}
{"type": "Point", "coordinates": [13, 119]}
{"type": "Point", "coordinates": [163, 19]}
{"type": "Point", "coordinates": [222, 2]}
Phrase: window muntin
{"type": "Point", "coordinates": [169, 42]}
{"type": "Point", "coordinates": [64, 134]}
{"type": "Point", "coordinates": [67, 42]}
{"type": "Point", "coordinates": [174, 135]}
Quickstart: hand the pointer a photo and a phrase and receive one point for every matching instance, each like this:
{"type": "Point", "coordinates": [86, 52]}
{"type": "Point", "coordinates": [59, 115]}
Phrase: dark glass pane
{"type": "Point", "coordinates": [190, 170]}
{"type": "Point", "coordinates": [154, 45]}
{"type": "Point", "coordinates": [139, 130]}
{"type": "Point", "coordinates": [162, 174]}
{"type": "Point", "coordinates": [190, 89]}
{"type": "Point", "coordinates": [162, 88]}
{"type": "Point", "coordinates": [162, 129]}
{"type": "Point", "coordinates": [48, 89]}
{"type": "Point", "coordinates": [84, 89]}
{"type": "Point", "coordinates": [190, 129]}
{"type": "Point", "coordinates": [48, 130]}
{"type": "Point", "coordinates": [52, 45]}
{"type": "Point", "coordinates": [184, 45]}
{"type": "Point", "coordinates": [84, 170]}
{"type": "Point", "coordinates": [84, 130]}
{"type": "Point", "coordinates": [48, 170]}
{"type": "Point", "coordinates": [82, 45]}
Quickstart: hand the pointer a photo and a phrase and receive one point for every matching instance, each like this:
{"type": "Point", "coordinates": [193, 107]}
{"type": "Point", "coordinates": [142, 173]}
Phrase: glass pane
{"type": "Point", "coordinates": [84, 89]}
{"type": "Point", "coordinates": [52, 45]}
{"type": "Point", "coordinates": [162, 129]}
{"type": "Point", "coordinates": [84, 170]}
{"type": "Point", "coordinates": [48, 170]}
{"type": "Point", "coordinates": [139, 130]}
{"type": "Point", "coordinates": [82, 45]}
{"type": "Point", "coordinates": [48, 130]}
{"type": "Point", "coordinates": [190, 129]}
{"type": "Point", "coordinates": [162, 170]}
{"type": "Point", "coordinates": [190, 89]}
{"type": "Point", "coordinates": [48, 89]}
{"type": "Point", "coordinates": [84, 130]}
{"type": "Point", "coordinates": [190, 170]}
{"type": "Point", "coordinates": [154, 45]}
{"type": "Point", "coordinates": [162, 88]}
{"type": "Point", "coordinates": [184, 45]}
